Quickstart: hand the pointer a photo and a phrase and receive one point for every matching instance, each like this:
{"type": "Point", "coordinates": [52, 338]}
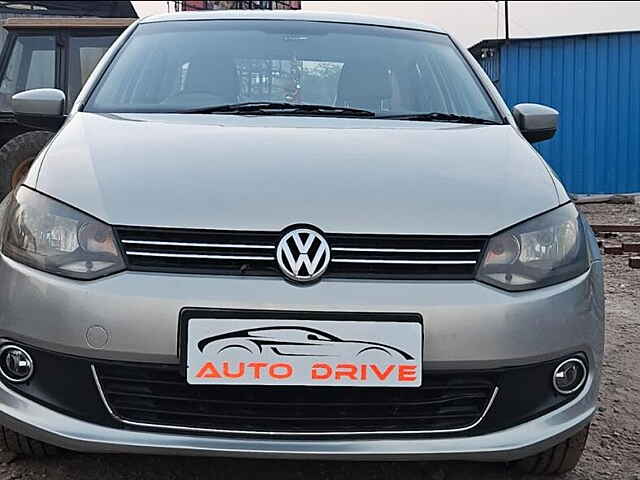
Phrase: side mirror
{"type": "Point", "coordinates": [42, 108]}
{"type": "Point", "coordinates": [536, 122]}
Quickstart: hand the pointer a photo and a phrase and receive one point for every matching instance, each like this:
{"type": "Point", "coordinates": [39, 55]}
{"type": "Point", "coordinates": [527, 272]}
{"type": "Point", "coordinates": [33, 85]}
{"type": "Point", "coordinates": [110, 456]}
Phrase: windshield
{"type": "Point", "coordinates": [186, 65]}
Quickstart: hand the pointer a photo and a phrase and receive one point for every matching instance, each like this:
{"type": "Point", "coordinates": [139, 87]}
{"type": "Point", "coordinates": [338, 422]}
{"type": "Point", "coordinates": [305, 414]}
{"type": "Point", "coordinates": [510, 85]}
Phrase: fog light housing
{"type": "Point", "coordinates": [569, 376]}
{"type": "Point", "coordinates": [16, 364]}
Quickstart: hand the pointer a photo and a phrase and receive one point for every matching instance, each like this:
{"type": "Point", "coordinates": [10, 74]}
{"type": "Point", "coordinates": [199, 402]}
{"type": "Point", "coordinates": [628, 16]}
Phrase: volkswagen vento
{"type": "Point", "coordinates": [296, 235]}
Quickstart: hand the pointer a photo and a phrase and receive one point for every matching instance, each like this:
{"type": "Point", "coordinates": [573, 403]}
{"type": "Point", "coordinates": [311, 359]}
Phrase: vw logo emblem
{"type": "Point", "coordinates": [303, 255]}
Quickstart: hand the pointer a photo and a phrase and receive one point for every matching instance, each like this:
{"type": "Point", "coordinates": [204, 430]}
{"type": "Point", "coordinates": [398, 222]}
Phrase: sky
{"type": "Point", "coordinates": [472, 21]}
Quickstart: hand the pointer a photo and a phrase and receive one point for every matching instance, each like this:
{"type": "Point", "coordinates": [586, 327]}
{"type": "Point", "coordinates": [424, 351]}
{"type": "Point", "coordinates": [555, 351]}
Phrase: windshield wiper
{"type": "Point", "coordinates": [280, 108]}
{"type": "Point", "coordinates": [440, 117]}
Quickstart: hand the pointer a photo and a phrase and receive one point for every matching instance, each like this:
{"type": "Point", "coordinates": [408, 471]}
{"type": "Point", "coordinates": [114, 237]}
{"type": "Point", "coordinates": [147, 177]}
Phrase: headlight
{"type": "Point", "coordinates": [50, 236]}
{"type": "Point", "coordinates": [543, 251]}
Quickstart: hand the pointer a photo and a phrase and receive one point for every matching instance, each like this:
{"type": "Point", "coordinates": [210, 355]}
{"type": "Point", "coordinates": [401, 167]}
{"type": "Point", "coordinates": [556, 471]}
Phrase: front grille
{"type": "Point", "coordinates": [253, 253]}
{"type": "Point", "coordinates": [404, 256]}
{"type": "Point", "coordinates": [199, 251]}
{"type": "Point", "coordinates": [160, 396]}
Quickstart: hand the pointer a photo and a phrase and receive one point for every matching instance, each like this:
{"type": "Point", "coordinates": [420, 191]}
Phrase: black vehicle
{"type": "Point", "coordinates": [47, 51]}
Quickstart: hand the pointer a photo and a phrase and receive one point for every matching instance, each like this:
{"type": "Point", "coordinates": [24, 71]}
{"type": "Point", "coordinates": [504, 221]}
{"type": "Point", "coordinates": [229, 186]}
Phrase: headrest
{"type": "Point", "coordinates": [364, 81]}
{"type": "Point", "coordinates": [213, 75]}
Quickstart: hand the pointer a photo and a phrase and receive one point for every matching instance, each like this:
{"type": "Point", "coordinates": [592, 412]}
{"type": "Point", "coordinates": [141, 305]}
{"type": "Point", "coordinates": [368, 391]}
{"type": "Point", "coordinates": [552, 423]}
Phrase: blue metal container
{"type": "Point", "coordinates": [594, 82]}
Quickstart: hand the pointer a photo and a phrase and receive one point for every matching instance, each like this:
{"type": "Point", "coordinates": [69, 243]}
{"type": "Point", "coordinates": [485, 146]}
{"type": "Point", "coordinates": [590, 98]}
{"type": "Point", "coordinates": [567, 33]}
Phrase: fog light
{"type": "Point", "coordinates": [570, 376]}
{"type": "Point", "coordinates": [16, 364]}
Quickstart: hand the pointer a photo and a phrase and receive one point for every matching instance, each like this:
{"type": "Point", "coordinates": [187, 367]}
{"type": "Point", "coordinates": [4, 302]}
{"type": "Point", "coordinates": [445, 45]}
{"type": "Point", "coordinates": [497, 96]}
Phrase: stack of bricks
{"type": "Point", "coordinates": [625, 248]}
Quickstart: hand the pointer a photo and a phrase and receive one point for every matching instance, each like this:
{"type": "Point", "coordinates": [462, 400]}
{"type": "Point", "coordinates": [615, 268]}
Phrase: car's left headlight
{"type": "Point", "coordinates": [545, 250]}
{"type": "Point", "coordinates": [51, 236]}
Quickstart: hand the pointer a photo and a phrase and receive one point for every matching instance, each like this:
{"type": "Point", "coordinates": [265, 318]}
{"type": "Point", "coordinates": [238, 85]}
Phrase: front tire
{"type": "Point", "coordinates": [17, 155]}
{"type": "Point", "coordinates": [557, 460]}
{"type": "Point", "coordinates": [14, 442]}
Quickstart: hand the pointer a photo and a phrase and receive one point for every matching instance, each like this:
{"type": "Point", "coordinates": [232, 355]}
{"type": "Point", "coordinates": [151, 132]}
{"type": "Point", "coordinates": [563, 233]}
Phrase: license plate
{"type": "Point", "coordinates": [309, 352]}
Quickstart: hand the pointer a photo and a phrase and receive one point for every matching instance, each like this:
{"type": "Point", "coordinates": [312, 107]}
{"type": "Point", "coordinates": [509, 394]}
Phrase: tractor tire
{"type": "Point", "coordinates": [17, 155]}
{"type": "Point", "coordinates": [11, 441]}
{"type": "Point", "coordinates": [557, 460]}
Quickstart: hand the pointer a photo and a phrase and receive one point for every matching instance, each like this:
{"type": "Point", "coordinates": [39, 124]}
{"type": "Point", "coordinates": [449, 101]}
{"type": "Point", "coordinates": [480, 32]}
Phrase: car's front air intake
{"type": "Point", "coordinates": [254, 253]}
{"type": "Point", "coordinates": [159, 396]}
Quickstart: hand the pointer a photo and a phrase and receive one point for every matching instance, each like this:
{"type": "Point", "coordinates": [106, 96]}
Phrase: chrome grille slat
{"type": "Point", "coordinates": [403, 250]}
{"type": "Point", "coordinates": [204, 245]}
{"type": "Point", "coordinates": [408, 262]}
{"type": "Point", "coordinates": [355, 256]}
{"type": "Point", "coordinates": [195, 255]}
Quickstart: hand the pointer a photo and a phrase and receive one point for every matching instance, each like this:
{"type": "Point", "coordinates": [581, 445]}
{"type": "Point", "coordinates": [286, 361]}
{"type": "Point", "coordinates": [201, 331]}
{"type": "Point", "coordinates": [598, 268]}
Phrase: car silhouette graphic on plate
{"type": "Point", "coordinates": [289, 341]}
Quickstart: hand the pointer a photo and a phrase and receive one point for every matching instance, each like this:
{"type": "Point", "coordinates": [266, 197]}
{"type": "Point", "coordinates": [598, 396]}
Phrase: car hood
{"type": "Point", "coordinates": [266, 173]}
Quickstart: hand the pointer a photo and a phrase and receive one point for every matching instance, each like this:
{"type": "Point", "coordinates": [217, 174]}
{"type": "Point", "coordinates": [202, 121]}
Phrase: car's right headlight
{"type": "Point", "coordinates": [51, 236]}
{"type": "Point", "coordinates": [545, 250]}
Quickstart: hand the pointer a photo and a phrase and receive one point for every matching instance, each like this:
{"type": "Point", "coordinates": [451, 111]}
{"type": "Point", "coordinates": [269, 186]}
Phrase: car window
{"type": "Point", "coordinates": [176, 66]}
{"type": "Point", "coordinates": [296, 81]}
{"type": "Point", "coordinates": [32, 64]}
{"type": "Point", "coordinates": [84, 54]}
{"type": "Point", "coordinates": [281, 80]}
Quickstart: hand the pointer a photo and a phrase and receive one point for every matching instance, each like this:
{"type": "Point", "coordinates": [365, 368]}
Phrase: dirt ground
{"type": "Point", "coordinates": [613, 450]}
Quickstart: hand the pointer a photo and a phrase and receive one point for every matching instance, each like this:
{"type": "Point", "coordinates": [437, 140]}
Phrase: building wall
{"type": "Point", "coordinates": [230, 4]}
{"type": "Point", "coordinates": [594, 82]}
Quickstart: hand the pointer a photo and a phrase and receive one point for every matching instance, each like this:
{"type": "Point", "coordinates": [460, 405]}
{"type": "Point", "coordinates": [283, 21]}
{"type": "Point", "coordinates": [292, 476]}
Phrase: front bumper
{"type": "Point", "coordinates": [469, 327]}
{"type": "Point", "coordinates": [32, 419]}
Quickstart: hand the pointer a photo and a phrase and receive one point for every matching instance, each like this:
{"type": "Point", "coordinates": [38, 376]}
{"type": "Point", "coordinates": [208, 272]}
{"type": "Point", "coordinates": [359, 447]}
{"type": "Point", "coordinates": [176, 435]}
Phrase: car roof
{"type": "Point", "coordinates": [62, 23]}
{"type": "Point", "coordinates": [292, 15]}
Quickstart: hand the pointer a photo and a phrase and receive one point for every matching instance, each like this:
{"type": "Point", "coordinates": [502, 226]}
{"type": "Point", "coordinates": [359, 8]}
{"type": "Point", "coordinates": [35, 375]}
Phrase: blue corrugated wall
{"type": "Point", "coordinates": [594, 82]}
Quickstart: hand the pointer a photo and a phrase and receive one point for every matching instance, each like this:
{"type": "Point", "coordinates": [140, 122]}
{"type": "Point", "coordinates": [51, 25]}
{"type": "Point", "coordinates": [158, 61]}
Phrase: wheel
{"type": "Point", "coordinates": [559, 459]}
{"type": "Point", "coordinates": [17, 155]}
{"type": "Point", "coordinates": [11, 441]}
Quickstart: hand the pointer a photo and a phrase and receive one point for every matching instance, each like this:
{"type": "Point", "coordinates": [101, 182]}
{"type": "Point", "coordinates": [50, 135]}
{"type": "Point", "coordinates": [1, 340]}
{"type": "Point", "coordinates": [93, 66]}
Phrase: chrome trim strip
{"type": "Point", "coordinates": [297, 434]}
{"type": "Point", "coordinates": [195, 255]}
{"type": "Point", "coordinates": [413, 262]}
{"type": "Point", "coordinates": [186, 244]}
{"type": "Point", "coordinates": [404, 250]}
{"type": "Point", "coordinates": [340, 249]}
{"type": "Point", "coordinates": [101, 393]}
